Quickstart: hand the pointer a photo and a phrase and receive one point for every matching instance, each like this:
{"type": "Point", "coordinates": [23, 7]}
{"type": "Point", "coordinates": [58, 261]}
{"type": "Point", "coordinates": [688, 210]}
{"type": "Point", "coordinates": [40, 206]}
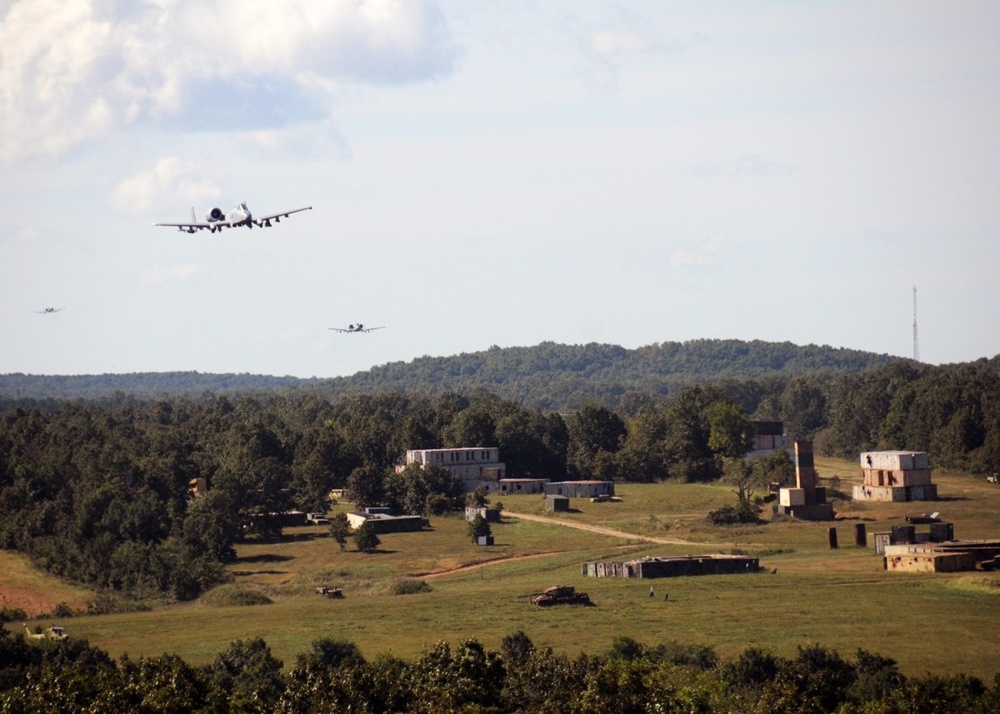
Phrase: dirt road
{"type": "Point", "coordinates": [614, 532]}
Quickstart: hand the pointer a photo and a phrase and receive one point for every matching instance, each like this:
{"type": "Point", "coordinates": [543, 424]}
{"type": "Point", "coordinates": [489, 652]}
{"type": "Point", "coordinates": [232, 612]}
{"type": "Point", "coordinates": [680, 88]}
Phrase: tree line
{"type": "Point", "coordinates": [99, 492]}
{"type": "Point", "coordinates": [549, 376]}
{"type": "Point", "coordinates": [518, 677]}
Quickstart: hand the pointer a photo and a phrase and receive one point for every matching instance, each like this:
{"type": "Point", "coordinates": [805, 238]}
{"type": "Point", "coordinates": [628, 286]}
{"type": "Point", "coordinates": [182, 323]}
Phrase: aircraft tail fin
{"type": "Point", "coordinates": [194, 219]}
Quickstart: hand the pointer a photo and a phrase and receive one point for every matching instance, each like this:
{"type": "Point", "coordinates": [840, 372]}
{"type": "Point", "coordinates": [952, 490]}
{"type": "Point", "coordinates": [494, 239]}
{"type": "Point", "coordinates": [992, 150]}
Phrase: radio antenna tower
{"type": "Point", "coordinates": [916, 341]}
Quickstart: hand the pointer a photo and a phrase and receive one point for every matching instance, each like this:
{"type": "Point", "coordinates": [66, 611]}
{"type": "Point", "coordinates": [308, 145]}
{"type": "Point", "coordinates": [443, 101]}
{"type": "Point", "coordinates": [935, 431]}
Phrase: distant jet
{"type": "Point", "coordinates": [50, 310]}
{"type": "Point", "coordinates": [216, 220]}
{"type": "Point", "coordinates": [357, 328]}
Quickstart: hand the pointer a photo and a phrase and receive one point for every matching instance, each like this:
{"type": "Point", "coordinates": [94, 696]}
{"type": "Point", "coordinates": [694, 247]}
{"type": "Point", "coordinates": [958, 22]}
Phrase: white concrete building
{"type": "Point", "coordinates": [475, 465]}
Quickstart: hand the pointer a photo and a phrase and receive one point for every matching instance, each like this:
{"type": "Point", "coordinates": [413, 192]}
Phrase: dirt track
{"type": "Point", "coordinates": [614, 532]}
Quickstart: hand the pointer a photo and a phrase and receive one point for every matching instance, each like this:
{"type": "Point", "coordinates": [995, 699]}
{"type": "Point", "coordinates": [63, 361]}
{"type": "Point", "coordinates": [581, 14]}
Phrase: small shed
{"type": "Point", "coordinates": [556, 503]}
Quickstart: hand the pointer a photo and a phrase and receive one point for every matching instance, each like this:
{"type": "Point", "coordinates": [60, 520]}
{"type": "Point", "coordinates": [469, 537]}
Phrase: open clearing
{"type": "Point", "coordinates": [842, 599]}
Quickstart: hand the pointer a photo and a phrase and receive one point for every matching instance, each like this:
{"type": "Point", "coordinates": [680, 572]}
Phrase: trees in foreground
{"type": "Point", "coordinates": [366, 539]}
{"type": "Point", "coordinates": [335, 676]}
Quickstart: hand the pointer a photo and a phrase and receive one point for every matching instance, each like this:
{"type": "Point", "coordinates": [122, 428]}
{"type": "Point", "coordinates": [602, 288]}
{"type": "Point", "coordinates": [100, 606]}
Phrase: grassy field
{"type": "Point", "coordinates": [23, 586]}
{"type": "Point", "coordinates": [841, 599]}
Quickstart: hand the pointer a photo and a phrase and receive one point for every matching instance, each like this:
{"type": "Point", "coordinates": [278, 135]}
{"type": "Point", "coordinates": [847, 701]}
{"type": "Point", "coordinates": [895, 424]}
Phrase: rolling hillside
{"type": "Point", "coordinates": [548, 375]}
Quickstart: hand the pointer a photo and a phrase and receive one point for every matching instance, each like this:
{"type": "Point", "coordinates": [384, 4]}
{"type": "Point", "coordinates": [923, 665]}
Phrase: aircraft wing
{"type": "Point", "coordinates": [191, 227]}
{"type": "Point", "coordinates": [357, 329]}
{"type": "Point", "coordinates": [265, 221]}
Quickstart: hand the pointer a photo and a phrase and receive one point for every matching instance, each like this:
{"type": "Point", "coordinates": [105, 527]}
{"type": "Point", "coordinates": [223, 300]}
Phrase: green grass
{"type": "Point", "coordinates": [36, 592]}
{"type": "Point", "coordinates": [842, 599]}
{"type": "Point", "coordinates": [234, 595]}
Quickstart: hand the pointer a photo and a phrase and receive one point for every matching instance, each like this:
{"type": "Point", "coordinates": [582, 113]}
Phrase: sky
{"type": "Point", "coordinates": [502, 172]}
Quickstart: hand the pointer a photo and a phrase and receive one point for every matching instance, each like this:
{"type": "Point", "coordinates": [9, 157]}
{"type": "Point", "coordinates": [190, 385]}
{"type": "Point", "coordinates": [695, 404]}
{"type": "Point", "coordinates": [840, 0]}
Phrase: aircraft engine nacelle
{"type": "Point", "coordinates": [216, 214]}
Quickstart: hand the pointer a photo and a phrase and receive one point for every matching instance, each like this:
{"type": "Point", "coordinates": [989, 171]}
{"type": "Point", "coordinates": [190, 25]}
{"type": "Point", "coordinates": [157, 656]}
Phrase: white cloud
{"type": "Point", "coordinates": [162, 274]}
{"type": "Point", "coordinates": [73, 71]}
{"type": "Point", "coordinates": [612, 37]}
{"type": "Point", "coordinates": [700, 257]}
{"type": "Point", "coordinates": [612, 43]}
{"type": "Point", "coordinates": [22, 235]}
{"type": "Point", "coordinates": [371, 40]}
{"type": "Point", "coordinates": [321, 139]}
{"type": "Point", "coordinates": [49, 52]}
{"type": "Point", "coordinates": [170, 181]}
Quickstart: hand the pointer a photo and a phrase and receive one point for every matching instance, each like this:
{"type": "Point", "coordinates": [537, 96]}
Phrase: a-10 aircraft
{"type": "Point", "coordinates": [216, 220]}
{"type": "Point", "coordinates": [357, 328]}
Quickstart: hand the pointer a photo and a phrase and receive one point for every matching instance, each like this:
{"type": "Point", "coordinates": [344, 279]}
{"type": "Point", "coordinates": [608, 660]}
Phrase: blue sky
{"type": "Point", "coordinates": [493, 173]}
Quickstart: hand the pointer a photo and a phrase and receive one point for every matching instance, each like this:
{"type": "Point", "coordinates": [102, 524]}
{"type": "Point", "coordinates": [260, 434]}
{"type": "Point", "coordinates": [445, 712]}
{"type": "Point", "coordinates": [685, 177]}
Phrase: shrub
{"type": "Point", "coordinates": [409, 586]}
{"type": "Point", "coordinates": [234, 596]}
{"type": "Point", "coordinates": [478, 527]}
{"type": "Point", "coordinates": [12, 614]}
{"type": "Point", "coordinates": [745, 512]}
{"type": "Point", "coordinates": [751, 670]}
{"type": "Point", "coordinates": [366, 539]}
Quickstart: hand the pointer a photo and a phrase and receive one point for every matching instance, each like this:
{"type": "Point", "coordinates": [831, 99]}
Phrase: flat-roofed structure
{"type": "Point", "coordinates": [522, 485]}
{"type": "Point", "coordinates": [556, 504]}
{"type": "Point", "coordinates": [894, 476]}
{"type": "Point", "coordinates": [383, 520]}
{"type": "Point", "coordinates": [475, 465]}
{"type": "Point", "coordinates": [672, 566]}
{"type": "Point", "coordinates": [949, 557]}
{"type": "Point", "coordinates": [579, 489]}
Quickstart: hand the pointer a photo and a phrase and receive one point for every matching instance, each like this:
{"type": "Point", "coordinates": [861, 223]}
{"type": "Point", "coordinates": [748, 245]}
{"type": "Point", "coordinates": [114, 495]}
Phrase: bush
{"type": "Point", "coordinates": [479, 527]}
{"type": "Point", "coordinates": [366, 539]}
{"type": "Point", "coordinates": [745, 512]}
{"type": "Point", "coordinates": [751, 670]}
{"type": "Point", "coordinates": [409, 586]}
{"type": "Point", "coordinates": [234, 596]}
{"type": "Point", "coordinates": [12, 614]}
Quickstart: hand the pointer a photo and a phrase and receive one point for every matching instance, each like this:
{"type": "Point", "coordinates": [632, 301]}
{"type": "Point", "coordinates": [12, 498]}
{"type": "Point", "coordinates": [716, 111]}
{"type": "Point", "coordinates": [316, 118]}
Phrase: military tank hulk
{"type": "Point", "coordinates": [560, 595]}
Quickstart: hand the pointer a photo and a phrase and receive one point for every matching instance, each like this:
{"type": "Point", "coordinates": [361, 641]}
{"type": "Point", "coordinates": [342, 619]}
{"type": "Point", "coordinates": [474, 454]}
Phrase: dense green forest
{"type": "Point", "coordinates": [98, 491]}
{"type": "Point", "coordinates": [334, 676]}
{"type": "Point", "coordinates": [549, 376]}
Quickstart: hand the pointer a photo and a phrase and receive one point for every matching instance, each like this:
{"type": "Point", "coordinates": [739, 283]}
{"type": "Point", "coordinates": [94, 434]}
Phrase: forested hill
{"type": "Point", "coordinates": [548, 375]}
{"type": "Point", "coordinates": [555, 376]}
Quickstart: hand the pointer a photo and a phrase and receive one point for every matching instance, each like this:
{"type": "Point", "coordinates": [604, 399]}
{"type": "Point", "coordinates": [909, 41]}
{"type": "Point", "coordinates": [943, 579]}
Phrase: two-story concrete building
{"type": "Point", "coordinates": [475, 465]}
